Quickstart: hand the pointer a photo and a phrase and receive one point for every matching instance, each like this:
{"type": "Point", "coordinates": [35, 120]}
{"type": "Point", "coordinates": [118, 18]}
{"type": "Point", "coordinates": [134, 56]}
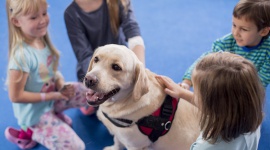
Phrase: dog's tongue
{"type": "Point", "coordinates": [93, 96]}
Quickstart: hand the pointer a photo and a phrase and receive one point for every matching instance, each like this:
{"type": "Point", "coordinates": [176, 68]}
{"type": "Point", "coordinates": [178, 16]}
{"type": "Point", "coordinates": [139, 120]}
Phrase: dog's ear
{"type": "Point", "coordinates": [90, 64]}
{"type": "Point", "coordinates": [92, 60]}
{"type": "Point", "coordinates": [141, 82]}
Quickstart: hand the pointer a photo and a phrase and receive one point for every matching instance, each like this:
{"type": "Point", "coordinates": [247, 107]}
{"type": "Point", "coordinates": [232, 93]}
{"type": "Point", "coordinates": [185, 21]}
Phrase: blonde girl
{"type": "Point", "coordinates": [36, 88]}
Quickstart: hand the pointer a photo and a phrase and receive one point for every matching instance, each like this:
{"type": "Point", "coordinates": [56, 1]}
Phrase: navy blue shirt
{"type": "Point", "coordinates": [90, 30]}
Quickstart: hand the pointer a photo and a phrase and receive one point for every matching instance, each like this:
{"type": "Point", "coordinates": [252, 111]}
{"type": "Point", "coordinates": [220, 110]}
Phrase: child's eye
{"type": "Point", "coordinates": [44, 14]}
{"type": "Point", "coordinates": [33, 18]}
{"type": "Point", "coordinates": [244, 29]}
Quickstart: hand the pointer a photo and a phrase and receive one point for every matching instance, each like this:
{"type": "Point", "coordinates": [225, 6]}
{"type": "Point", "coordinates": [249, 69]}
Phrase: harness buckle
{"type": "Point", "coordinates": [167, 125]}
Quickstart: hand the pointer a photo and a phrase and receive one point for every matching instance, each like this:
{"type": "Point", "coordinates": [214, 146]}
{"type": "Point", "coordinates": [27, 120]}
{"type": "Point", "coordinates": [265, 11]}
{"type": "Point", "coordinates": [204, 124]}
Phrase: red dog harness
{"type": "Point", "coordinates": [155, 125]}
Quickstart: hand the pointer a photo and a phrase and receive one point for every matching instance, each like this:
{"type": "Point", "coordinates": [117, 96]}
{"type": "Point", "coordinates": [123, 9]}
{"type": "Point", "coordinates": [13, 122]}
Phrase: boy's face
{"type": "Point", "coordinates": [245, 32]}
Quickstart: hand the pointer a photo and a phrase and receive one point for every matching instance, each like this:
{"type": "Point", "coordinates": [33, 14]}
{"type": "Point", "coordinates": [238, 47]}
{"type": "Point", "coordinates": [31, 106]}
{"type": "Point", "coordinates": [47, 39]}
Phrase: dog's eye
{"type": "Point", "coordinates": [96, 59]}
{"type": "Point", "coordinates": [116, 67]}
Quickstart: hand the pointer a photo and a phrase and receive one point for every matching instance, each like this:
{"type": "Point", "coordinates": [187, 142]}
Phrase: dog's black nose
{"type": "Point", "coordinates": [90, 81]}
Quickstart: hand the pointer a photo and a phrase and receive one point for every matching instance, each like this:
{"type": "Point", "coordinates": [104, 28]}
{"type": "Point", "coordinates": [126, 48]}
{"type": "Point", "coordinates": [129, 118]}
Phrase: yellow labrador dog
{"type": "Point", "coordinates": [133, 105]}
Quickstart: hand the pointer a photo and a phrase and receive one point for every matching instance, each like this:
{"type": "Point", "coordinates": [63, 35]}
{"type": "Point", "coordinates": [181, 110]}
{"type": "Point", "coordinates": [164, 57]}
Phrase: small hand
{"type": "Point", "coordinates": [184, 85]}
{"type": "Point", "coordinates": [68, 90]}
{"type": "Point", "coordinates": [57, 96]}
{"type": "Point", "coordinates": [173, 89]}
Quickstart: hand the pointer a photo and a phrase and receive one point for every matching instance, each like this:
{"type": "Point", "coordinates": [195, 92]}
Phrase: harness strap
{"type": "Point", "coordinates": [159, 122]}
{"type": "Point", "coordinates": [119, 122]}
{"type": "Point", "coordinates": [155, 125]}
{"type": "Point", "coordinates": [153, 122]}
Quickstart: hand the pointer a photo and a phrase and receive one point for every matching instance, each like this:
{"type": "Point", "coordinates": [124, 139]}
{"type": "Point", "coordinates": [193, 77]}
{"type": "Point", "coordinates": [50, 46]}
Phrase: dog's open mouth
{"type": "Point", "coordinates": [95, 98]}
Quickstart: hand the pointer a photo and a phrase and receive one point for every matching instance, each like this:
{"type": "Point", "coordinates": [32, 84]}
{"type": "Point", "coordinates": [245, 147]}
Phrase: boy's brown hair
{"type": "Point", "coordinates": [229, 94]}
{"type": "Point", "coordinates": [257, 11]}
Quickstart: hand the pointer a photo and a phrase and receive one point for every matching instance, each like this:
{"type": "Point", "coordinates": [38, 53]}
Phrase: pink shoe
{"type": "Point", "coordinates": [88, 110]}
{"type": "Point", "coordinates": [13, 136]}
{"type": "Point", "coordinates": [64, 118]}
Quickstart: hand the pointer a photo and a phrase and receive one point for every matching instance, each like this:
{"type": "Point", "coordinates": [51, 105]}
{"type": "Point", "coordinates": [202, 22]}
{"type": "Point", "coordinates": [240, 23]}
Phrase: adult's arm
{"type": "Point", "coordinates": [131, 31]}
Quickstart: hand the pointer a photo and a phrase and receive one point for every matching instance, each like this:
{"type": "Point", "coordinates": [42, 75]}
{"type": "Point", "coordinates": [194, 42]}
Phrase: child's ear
{"type": "Point", "coordinates": [15, 22]}
{"type": "Point", "coordinates": [264, 31]}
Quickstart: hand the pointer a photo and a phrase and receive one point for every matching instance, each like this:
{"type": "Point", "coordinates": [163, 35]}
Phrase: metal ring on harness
{"type": "Point", "coordinates": [167, 125]}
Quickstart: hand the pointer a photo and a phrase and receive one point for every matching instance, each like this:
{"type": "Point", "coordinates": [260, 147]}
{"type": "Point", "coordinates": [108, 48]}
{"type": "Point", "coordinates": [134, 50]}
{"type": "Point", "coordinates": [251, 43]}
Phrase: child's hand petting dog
{"type": "Point", "coordinates": [68, 90]}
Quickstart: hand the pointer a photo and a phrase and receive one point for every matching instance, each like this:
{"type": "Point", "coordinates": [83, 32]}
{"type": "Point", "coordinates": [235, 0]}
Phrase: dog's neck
{"type": "Point", "coordinates": [158, 123]}
{"type": "Point", "coordinates": [129, 106]}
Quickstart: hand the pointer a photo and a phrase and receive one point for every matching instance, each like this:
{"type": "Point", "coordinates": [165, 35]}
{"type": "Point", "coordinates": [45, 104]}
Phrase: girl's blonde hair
{"type": "Point", "coordinates": [17, 8]}
{"type": "Point", "coordinates": [113, 6]}
{"type": "Point", "coordinates": [230, 95]}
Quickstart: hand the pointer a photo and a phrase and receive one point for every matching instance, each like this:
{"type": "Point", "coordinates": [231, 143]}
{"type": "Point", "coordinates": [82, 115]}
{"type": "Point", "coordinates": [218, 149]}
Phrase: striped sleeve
{"type": "Point", "coordinates": [218, 45]}
{"type": "Point", "coordinates": [187, 75]}
{"type": "Point", "coordinates": [264, 71]}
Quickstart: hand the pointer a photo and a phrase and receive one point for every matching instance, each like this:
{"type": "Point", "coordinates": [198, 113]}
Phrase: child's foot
{"type": "Point", "coordinates": [64, 118]}
{"type": "Point", "coordinates": [21, 139]}
{"type": "Point", "coordinates": [88, 110]}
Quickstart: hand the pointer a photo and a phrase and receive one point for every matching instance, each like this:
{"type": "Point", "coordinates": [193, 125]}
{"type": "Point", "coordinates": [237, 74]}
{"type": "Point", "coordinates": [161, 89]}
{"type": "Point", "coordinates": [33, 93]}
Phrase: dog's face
{"type": "Point", "coordinates": [114, 73]}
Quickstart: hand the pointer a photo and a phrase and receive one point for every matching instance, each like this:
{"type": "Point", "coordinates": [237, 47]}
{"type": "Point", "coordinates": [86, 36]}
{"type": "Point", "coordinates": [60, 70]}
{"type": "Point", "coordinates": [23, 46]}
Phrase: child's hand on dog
{"type": "Point", "coordinates": [173, 89]}
{"type": "Point", "coordinates": [68, 90]}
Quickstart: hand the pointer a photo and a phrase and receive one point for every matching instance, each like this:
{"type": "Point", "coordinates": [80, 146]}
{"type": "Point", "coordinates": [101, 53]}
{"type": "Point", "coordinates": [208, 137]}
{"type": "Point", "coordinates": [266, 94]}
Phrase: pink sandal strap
{"type": "Point", "coordinates": [12, 135]}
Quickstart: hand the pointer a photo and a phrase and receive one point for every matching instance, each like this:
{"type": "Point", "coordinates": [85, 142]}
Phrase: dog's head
{"type": "Point", "coordinates": [115, 73]}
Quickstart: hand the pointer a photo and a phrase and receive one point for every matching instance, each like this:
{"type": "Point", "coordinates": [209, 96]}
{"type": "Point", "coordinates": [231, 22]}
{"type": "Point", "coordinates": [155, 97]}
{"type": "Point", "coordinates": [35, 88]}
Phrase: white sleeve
{"type": "Point", "coordinates": [134, 41]}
